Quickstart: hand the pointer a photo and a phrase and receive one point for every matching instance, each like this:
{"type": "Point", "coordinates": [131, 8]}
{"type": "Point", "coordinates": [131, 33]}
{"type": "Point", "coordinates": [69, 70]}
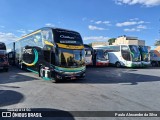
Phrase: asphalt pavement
{"type": "Point", "coordinates": [103, 89]}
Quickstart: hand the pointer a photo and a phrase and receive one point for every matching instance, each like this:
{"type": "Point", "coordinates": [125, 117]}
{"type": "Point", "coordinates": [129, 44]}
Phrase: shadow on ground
{"type": "Point", "coordinates": [111, 75]}
{"type": "Point", "coordinates": [9, 97]}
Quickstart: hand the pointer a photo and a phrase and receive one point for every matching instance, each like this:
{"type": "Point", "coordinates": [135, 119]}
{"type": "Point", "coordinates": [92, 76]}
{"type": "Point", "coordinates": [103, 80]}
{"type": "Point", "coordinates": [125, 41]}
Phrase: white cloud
{"type": "Point", "coordinates": [24, 32]}
{"type": "Point", "coordinates": [7, 37]}
{"type": "Point", "coordinates": [21, 31]}
{"type": "Point", "coordinates": [129, 23]}
{"type": "Point", "coordinates": [142, 27]}
{"type": "Point", "coordinates": [126, 24]}
{"type": "Point", "coordinates": [133, 19]}
{"type": "Point", "coordinates": [131, 30]}
{"type": "Point", "coordinates": [96, 38]}
{"type": "Point", "coordinates": [49, 25]}
{"type": "Point", "coordinates": [136, 29]}
{"type": "Point", "coordinates": [102, 22]}
{"type": "Point", "coordinates": [91, 27]}
{"type": "Point", "coordinates": [147, 3]}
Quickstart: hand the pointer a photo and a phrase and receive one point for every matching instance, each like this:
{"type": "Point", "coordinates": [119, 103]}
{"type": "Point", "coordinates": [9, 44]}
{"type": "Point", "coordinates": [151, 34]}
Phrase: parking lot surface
{"type": "Point", "coordinates": [104, 89]}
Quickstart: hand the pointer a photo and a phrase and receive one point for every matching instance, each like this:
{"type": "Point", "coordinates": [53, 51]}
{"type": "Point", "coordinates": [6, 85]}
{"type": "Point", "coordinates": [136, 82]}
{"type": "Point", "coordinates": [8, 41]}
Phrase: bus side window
{"type": "Point", "coordinates": [37, 39]}
{"type": "Point", "coordinates": [47, 35]}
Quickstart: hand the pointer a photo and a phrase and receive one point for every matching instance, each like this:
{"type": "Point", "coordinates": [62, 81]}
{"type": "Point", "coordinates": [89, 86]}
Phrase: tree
{"type": "Point", "coordinates": [157, 43]}
{"type": "Point", "coordinates": [111, 40]}
{"type": "Point", "coordinates": [90, 44]}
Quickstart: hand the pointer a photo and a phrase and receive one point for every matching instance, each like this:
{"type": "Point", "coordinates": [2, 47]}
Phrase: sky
{"type": "Point", "coordinates": [95, 20]}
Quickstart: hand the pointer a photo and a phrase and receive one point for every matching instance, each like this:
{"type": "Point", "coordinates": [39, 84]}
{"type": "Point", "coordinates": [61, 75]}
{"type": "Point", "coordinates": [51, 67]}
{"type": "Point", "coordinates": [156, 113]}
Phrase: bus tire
{"type": "Point", "coordinates": [6, 69]}
{"type": "Point", "coordinates": [55, 80]}
{"type": "Point", "coordinates": [41, 72]}
{"type": "Point", "coordinates": [118, 64]}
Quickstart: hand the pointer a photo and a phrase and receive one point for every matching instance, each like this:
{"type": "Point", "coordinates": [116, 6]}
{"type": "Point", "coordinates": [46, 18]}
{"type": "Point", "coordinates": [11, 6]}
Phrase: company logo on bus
{"type": "Point", "coordinates": [68, 37]}
{"type": "Point", "coordinates": [28, 51]}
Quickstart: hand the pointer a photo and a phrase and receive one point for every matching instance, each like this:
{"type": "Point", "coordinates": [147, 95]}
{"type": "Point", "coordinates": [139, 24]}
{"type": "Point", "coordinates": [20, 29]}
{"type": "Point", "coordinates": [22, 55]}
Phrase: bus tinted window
{"type": "Point", "coordinates": [134, 48]}
{"type": "Point", "coordinates": [47, 35]}
{"type": "Point", "coordinates": [67, 37]}
{"type": "Point", "coordinates": [2, 46]}
{"type": "Point", "coordinates": [113, 48]}
{"type": "Point", "coordinates": [144, 49]}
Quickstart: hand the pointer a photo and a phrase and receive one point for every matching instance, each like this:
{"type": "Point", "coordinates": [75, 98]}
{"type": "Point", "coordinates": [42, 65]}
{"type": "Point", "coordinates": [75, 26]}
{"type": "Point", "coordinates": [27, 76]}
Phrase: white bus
{"type": "Point", "coordinates": [124, 55]}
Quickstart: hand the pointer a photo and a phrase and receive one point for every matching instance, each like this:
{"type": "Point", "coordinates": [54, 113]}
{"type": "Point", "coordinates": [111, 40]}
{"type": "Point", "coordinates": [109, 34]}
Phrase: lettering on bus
{"type": "Point", "coordinates": [29, 51]}
{"type": "Point", "coordinates": [67, 41]}
{"type": "Point", "coordinates": [68, 37]}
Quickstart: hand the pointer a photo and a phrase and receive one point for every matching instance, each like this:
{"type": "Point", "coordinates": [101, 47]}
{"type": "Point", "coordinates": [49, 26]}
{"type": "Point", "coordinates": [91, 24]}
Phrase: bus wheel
{"type": "Point", "coordinates": [41, 72]}
{"type": "Point", "coordinates": [6, 69]}
{"type": "Point", "coordinates": [118, 64]}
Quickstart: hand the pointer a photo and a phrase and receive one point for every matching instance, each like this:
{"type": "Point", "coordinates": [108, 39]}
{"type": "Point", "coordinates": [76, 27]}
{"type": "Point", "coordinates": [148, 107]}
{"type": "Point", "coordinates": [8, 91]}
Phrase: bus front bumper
{"type": "Point", "coordinates": [146, 64]}
{"type": "Point", "coordinates": [134, 64]}
{"type": "Point", "coordinates": [69, 75]}
{"type": "Point", "coordinates": [102, 63]}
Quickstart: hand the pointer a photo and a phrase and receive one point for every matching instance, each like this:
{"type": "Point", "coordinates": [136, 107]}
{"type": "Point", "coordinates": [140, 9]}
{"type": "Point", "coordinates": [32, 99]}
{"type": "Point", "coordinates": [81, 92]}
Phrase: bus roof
{"type": "Point", "coordinates": [39, 30]}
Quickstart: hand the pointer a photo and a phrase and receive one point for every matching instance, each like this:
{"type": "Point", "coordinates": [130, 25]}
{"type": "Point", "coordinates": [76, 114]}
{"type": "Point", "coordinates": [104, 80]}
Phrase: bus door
{"type": "Point", "coordinates": [47, 65]}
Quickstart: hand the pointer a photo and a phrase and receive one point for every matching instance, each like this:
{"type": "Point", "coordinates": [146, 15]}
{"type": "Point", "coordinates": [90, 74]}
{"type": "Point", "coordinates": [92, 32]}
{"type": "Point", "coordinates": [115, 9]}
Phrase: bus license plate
{"type": "Point", "coordinates": [72, 78]}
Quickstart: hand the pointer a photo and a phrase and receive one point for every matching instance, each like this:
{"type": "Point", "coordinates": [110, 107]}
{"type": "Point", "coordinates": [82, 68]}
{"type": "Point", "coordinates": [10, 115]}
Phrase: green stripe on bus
{"type": "Point", "coordinates": [32, 71]}
{"type": "Point", "coordinates": [45, 78]}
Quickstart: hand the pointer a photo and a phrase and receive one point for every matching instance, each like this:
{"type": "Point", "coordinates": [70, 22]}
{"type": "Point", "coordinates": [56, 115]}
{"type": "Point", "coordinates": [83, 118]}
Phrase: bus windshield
{"type": "Point", "coordinates": [144, 49]}
{"type": "Point", "coordinates": [135, 53]}
{"type": "Point", "coordinates": [2, 46]}
{"type": "Point", "coordinates": [144, 53]}
{"type": "Point", "coordinates": [101, 55]}
{"type": "Point", "coordinates": [71, 58]}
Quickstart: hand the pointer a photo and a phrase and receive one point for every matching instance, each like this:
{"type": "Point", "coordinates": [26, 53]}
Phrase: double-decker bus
{"type": "Point", "coordinates": [155, 56]}
{"type": "Point", "coordinates": [124, 55]}
{"type": "Point", "coordinates": [4, 65]}
{"type": "Point", "coordinates": [100, 57]}
{"type": "Point", "coordinates": [145, 58]}
{"type": "Point", "coordinates": [53, 53]}
{"type": "Point", "coordinates": [88, 54]}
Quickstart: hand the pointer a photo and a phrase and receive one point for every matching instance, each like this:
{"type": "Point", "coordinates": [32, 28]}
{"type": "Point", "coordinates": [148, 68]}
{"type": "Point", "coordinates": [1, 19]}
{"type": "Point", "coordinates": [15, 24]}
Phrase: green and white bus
{"type": "Point", "coordinates": [145, 58]}
{"type": "Point", "coordinates": [123, 55]}
{"type": "Point", "coordinates": [52, 53]}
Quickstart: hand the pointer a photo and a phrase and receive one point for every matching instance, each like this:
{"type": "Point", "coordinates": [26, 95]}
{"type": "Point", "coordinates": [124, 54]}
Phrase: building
{"type": "Point", "coordinates": [128, 41]}
{"type": "Point", "coordinates": [100, 43]}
